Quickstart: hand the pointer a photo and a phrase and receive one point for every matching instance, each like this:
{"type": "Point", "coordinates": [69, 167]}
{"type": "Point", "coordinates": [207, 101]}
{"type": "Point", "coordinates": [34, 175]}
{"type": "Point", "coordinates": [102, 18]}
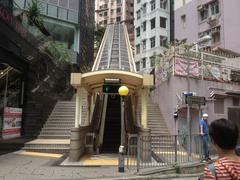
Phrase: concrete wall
{"type": "Point", "coordinates": [227, 19]}
{"type": "Point", "coordinates": [165, 95]}
{"type": "Point", "coordinates": [231, 24]}
{"type": "Point", "coordinates": [188, 30]}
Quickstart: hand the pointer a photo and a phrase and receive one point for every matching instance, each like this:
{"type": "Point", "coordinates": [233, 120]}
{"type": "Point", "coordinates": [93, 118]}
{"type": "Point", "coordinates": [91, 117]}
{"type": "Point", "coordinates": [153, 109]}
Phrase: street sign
{"type": "Point", "coordinates": [199, 100]}
{"type": "Point", "coordinates": [110, 88]}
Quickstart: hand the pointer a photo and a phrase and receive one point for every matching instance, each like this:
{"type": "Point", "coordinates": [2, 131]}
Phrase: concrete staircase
{"type": "Point", "coordinates": [55, 134]}
{"type": "Point", "coordinates": [60, 121]}
{"type": "Point", "coordinates": [156, 121]}
{"type": "Point", "coordinates": [161, 141]}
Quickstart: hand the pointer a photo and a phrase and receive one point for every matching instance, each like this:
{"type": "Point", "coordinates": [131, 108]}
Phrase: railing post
{"type": "Point", "coordinates": [175, 145]}
{"type": "Point", "coordinates": [138, 152]}
{"type": "Point", "coordinates": [202, 64]}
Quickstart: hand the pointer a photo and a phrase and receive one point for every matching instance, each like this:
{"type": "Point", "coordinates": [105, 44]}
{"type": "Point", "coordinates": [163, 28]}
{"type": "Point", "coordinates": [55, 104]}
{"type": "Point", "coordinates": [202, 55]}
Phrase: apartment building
{"type": "Point", "coordinates": [196, 19]}
{"type": "Point", "coordinates": [112, 11]}
{"type": "Point", "coordinates": [152, 31]}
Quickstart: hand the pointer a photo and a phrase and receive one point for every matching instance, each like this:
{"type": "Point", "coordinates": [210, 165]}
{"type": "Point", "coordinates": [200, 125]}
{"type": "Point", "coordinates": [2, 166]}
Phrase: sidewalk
{"type": "Point", "coordinates": [37, 166]}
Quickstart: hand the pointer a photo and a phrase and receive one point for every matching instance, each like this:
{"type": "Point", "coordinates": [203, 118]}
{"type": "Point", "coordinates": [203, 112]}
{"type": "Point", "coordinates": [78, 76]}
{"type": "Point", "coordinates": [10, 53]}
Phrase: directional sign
{"type": "Point", "coordinates": [199, 100]}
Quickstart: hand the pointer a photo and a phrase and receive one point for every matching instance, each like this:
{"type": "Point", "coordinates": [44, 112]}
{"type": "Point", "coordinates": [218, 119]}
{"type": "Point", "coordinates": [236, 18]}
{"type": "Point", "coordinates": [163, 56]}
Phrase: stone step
{"type": "Point", "coordinates": [61, 150]}
{"type": "Point", "coordinates": [61, 123]}
{"type": "Point", "coordinates": [45, 136]}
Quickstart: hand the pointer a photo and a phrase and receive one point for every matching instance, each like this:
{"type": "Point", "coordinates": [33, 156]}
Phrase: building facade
{"type": "Point", "coordinates": [68, 23]}
{"type": "Point", "coordinates": [213, 77]}
{"type": "Point", "coordinates": [217, 18]}
{"type": "Point", "coordinates": [152, 31]}
{"type": "Point", "coordinates": [32, 79]}
{"type": "Point", "coordinates": [112, 11]}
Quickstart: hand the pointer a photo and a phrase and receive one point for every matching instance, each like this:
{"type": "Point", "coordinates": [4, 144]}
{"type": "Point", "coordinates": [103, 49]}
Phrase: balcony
{"type": "Point", "coordinates": [51, 11]}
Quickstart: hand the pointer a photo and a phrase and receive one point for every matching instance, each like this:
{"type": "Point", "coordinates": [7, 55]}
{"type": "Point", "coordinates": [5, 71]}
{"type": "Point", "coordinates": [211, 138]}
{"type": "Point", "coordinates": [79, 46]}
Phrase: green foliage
{"type": "Point", "coordinates": [59, 51]}
{"type": "Point", "coordinates": [34, 12]}
{"type": "Point", "coordinates": [177, 167]}
{"type": "Point", "coordinates": [98, 35]}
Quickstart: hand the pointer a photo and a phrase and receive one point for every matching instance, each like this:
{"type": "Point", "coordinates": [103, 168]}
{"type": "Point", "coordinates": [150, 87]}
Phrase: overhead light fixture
{"type": "Point", "coordinates": [112, 80]}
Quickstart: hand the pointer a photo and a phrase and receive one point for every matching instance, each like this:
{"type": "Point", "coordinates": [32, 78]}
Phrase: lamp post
{"type": "Point", "coordinates": [201, 40]}
{"type": "Point", "coordinates": [123, 91]}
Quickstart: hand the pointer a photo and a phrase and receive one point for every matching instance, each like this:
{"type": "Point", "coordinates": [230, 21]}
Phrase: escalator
{"type": "Point", "coordinates": [112, 130]}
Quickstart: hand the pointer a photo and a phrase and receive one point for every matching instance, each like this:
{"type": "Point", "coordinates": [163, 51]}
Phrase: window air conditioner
{"type": "Point", "coordinates": [212, 18]}
{"type": "Point", "coordinates": [199, 7]}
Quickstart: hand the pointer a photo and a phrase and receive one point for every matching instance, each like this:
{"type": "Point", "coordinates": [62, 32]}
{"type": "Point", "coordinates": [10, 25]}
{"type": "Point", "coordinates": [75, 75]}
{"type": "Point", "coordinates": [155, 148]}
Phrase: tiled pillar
{"type": "Point", "coordinates": [78, 112]}
{"type": "Point", "coordinates": [144, 112]}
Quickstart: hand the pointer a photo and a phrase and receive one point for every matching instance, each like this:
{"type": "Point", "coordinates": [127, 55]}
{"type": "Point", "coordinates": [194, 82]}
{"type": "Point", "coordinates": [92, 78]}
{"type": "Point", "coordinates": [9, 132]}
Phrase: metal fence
{"type": "Point", "coordinates": [157, 151]}
{"type": "Point", "coordinates": [202, 66]}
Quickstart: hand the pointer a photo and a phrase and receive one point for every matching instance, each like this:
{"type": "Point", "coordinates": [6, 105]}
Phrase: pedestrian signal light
{"type": "Point", "coordinates": [111, 88]}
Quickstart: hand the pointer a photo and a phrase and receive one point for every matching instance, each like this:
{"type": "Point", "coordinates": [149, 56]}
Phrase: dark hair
{"type": "Point", "coordinates": [224, 133]}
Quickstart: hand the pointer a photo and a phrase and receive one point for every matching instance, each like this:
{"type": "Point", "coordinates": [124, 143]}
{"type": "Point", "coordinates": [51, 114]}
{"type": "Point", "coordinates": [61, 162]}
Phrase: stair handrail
{"type": "Point", "coordinates": [130, 53]}
{"type": "Point", "coordinates": [96, 118]}
{"type": "Point", "coordinates": [100, 51]}
{"type": "Point", "coordinates": [130, 125]}
{"type": "Point", "coordinates": [103, 119]}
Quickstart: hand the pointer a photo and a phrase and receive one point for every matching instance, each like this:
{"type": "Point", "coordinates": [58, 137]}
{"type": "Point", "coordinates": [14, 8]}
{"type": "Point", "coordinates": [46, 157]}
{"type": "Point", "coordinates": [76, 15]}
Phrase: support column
{"type": "Point", "coordinates": [91, 107]}
{"type": "Point", "coordinates": [78, 112]}
{"type": "Point", "coordinates": [144, 110]}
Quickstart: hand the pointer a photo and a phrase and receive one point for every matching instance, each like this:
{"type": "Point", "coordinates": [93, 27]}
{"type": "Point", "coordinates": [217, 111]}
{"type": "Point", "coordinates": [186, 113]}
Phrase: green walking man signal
{"type": "Point", "coordinates": [111, 88]}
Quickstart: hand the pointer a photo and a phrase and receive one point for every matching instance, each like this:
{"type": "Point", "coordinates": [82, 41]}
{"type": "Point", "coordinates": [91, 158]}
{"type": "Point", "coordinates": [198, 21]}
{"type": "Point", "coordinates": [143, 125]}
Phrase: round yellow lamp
{"type": "Point", "coordinates": [123, 91]}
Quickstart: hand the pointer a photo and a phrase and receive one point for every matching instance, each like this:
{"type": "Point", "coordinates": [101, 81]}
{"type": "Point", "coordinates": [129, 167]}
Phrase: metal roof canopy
{"type": "Point", "coordinates": [93, 81]}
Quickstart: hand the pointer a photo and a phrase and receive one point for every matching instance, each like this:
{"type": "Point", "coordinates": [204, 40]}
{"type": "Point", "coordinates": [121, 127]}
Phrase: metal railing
{"type": "Point", "coordinates": [166, 150]}
{"type": "Point", "coordinates": [203, 66]}
{"type": "Point", "coordinates": [51, 10]}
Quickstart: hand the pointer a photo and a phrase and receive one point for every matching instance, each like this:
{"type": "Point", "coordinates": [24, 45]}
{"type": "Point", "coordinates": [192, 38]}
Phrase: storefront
{"type": "Point", "coordinates": [11, 100]}
{"type": "Point", "coordinates": [13, 73]}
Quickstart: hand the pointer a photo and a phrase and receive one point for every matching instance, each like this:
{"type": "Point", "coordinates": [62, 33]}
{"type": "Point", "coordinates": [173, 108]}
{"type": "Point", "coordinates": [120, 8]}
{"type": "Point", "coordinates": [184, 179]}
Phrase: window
{"type": "Point", "coordinates": [144, 43]}
{"type": "Point", "coordinates": [138, 31]}
{"type": "Point", "coordinates": [219, 106]}
{"type": "Point", "coordinates": [204, 13]}
{"type": "Point", "coordinates": [144, 8]}
{"type": "Point", "coordinates": [235, 101]}
{"type": "Point", "coordinates": [144, 26]}
{"type": "Point", "coordinates": [215, 33]}
{"type": "Point", "coordinates": [153, 5]}
{"type": "Point", "coordinates": [152, 42]}
{"type": "Point", "coordinates": [138, 14]}
{"type": "Point", "coordinates": [143, 62]}
{"type": "Point", "coordinates": [137, 48]}
{"type": "Point", "coordinates": [214, 8]}
{"type": "Point", "coordinates": [119, 19]}
{"type": "Point", "coordinates": [163, 22]}
{"type": "Point", "coordinates": [216, 37]}
{"type": "Point", "coordinates": [138, 1]}
{"type": "Point", "coordinates": [105, 22]}
{"type": "Point", "coordinates": [152, 21]}
{"type": "Point", "coordinates": [183, 2]}
{"type": "Point", "coordinates": [138, 66]}
{"type": "Point", "coordinates": [112, 11]}
{"type": "Point", "coordinates": [118, 10]}
{"type": "Point", "coordinates": [105, 13]}
{"type": "Point", "coordinates": [183, 20]}
{"type": "Point", "coordinates": [119, 1]}
{"type": "Point", "coordinates": [163, 40]}
{"type": "Point", "coordinates": [163, 4]}
{"type": "Point", "coordinates": [152, 61]}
